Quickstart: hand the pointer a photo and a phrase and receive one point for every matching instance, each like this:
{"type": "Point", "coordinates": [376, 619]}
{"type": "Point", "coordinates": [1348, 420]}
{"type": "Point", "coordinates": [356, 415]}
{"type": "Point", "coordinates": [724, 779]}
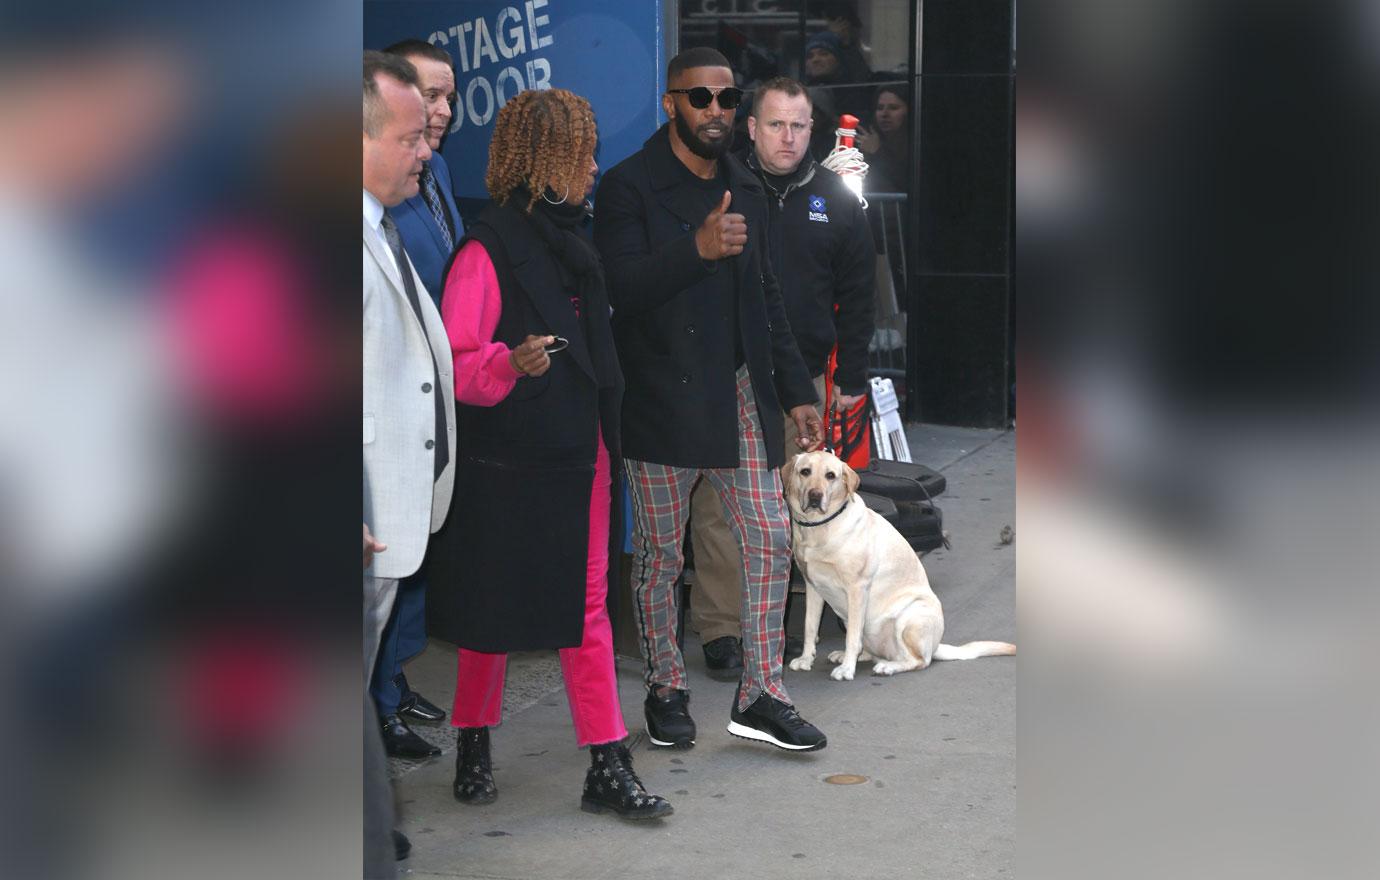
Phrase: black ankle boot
{"type": "Point", "coordinates": [474, 777]}
{"type": "Point", "coordinates": [611, 784]}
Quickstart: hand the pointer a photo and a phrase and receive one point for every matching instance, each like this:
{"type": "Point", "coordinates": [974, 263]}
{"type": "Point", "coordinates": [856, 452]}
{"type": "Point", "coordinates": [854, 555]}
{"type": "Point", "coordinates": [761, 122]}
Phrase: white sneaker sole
{"type": "Point", "coordinates": [745, 732]}
{"type": "Point", "coordinates": [667, 745]}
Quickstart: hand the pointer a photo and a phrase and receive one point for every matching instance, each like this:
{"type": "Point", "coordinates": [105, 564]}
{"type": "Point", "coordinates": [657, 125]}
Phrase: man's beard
{"type": "Point", "coordinates": [701, 148]}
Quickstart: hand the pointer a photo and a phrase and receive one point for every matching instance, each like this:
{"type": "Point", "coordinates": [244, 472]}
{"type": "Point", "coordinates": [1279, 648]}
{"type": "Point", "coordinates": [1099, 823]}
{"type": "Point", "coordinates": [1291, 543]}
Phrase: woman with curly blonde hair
{"type": "Point", "coordinates": [522, 563]}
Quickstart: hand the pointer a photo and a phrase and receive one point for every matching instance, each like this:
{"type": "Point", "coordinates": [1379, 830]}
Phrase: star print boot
{"type": "Point", "coordinates": [612, 785]}
{"type": "Point", "coordinates": [474, 778]}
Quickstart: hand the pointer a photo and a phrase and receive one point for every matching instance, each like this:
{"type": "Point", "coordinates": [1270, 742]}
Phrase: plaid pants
{"type": "Point", "coordinates": [752, 500]}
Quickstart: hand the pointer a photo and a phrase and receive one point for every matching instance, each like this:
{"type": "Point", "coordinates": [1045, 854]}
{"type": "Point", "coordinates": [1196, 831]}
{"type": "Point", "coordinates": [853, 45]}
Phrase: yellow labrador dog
{"type": "Point", "coordinates": [856, 561]}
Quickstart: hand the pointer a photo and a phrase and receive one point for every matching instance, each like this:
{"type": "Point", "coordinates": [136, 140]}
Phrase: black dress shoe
{"type": "Point", "coordinates": [417, 707]}
{"type": "Point", "coordinates": [400, 742]}
{"type": "Point", "coordinates": [723, 658]}
{"type": "Point", "coordinates": [402, 847]}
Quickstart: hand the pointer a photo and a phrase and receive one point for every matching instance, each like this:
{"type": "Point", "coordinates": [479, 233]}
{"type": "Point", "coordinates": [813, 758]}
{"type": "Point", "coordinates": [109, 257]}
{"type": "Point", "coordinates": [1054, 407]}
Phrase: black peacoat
{"type": "Point", "coordinates": [507, 571]}
{"type": "Point", "coordinates": [680, 407]}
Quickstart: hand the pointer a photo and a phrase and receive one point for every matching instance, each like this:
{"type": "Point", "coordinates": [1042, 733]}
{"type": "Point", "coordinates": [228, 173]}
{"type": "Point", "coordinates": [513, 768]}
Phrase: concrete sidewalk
{"type": "Point", "coordinates": [937, 748]}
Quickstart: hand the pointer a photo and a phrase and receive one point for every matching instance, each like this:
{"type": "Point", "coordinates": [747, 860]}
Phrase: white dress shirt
{"type": "Point", "coordinates": [373, 213]}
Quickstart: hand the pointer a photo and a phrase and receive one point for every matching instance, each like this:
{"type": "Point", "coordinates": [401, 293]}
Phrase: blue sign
{"type": "Point", "coordinates": [609, 53]}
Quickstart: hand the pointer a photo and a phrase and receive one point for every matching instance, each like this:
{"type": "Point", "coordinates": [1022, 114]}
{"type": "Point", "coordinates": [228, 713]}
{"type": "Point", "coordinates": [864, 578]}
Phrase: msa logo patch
{"type": "Point", "coordinates": [817, 210]}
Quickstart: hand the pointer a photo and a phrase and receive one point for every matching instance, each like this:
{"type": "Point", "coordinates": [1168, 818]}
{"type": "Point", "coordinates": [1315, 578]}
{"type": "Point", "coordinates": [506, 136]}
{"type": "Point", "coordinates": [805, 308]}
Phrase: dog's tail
{"type": "Point", "coordinates": [973, 650]}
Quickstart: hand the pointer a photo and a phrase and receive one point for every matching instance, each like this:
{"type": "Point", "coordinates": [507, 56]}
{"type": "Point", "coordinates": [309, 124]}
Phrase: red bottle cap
{"type": "Point", "coordinates": [849, 122]}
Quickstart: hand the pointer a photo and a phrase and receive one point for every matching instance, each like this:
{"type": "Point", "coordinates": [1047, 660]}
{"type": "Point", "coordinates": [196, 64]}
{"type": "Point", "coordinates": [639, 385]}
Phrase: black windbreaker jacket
{"type": "Point", "coordinates": [821, 247]}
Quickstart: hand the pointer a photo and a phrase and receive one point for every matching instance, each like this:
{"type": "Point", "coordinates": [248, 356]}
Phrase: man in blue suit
{"type": "Point", "coordinates": [430, 227]}
{"type": "Point", "coordinates": [429, 221]}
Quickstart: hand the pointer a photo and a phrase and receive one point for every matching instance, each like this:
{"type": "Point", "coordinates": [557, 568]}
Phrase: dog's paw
{"type": "Point", "coordinates": [842, 672]}
{"type": "Point", "coordinates": [885, 667]}
{"type": "Point", "coordinates": [803, 662]}
{"type": "Point", "coordinates": [837, 656]}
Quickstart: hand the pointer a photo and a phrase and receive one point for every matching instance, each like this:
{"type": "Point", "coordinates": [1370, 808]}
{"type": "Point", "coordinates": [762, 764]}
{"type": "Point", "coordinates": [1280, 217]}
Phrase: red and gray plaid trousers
{"type": "Point", "coordinates": [752, 498]}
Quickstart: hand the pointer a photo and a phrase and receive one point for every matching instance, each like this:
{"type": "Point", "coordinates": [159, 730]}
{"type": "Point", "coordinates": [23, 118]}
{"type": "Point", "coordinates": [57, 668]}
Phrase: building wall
{"type": "Point", "coordinates": [961, 363]}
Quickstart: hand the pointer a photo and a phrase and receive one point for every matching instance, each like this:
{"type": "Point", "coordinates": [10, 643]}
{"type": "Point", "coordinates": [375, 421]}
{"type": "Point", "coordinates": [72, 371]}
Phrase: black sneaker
{"type": "Point", "coordinates": [723, 658]}
{"type": "Point", "coordinates": [771, 721]}
{"type": "Point", "coordinates": [668, 718]}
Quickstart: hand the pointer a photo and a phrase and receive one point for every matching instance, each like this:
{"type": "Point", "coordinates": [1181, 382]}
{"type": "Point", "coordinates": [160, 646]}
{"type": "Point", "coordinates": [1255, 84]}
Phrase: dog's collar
{"type": "Point", "coordinates": [831, 516]}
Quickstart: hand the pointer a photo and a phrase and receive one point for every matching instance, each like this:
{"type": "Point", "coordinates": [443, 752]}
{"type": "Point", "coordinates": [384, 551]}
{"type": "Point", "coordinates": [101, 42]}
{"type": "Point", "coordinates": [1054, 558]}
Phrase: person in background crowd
{"type": "Point", "coordinates": [430, 225]}
{"type": "Point", "coordinates": [821, 244]}
{"type": "Point", "coordinates": [842, 20]}
{"type": "Point", "coordinates": [886, 147]}
{"type": "Point", "coordinates": [711, 365]}
{"type": "Point", "coordinates": [538, 389]}
{"type": "Point", "coordinates": [832, 92]}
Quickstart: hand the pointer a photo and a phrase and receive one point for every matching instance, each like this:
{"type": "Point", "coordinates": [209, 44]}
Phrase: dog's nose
{"type": "Point", "coordinates": [815, 496]}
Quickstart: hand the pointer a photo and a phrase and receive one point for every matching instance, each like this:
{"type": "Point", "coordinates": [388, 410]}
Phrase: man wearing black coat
{"type": "Point", "coordinates": [822, 245]}
{"type": "Point", "coordinates": [710, 366]}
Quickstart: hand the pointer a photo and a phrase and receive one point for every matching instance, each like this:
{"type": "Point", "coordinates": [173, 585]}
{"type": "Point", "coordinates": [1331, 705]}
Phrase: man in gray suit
{"type": "Point", "coordinates": [430, 227]}
{"type": "Point", "coordinates": [409, 408]}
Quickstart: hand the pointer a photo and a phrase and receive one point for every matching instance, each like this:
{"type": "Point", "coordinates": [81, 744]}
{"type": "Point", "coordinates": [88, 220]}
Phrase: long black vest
{"type": "Point", "coordinates": [507, 571]}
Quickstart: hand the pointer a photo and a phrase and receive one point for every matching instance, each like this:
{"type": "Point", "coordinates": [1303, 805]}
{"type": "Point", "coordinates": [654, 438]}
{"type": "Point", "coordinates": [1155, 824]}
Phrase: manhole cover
{"type": "Point", "coordinates": [845, 779]}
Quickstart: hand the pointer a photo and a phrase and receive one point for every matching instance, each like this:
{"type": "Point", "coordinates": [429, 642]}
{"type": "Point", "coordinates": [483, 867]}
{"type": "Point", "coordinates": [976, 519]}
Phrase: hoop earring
{"type": "Point", "coordinates": [562, 199]}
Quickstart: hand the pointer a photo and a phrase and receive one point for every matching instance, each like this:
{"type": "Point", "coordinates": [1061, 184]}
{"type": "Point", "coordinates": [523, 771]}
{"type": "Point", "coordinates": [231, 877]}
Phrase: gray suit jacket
{"type": "Point", "coordinates": [408, 501]}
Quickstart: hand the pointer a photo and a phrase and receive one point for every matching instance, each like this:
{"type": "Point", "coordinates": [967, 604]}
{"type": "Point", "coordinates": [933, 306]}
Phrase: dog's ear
{"type": "Point", "coordinates": [788, 472]}
{"type": "Point", "coordinates": [851, 479]}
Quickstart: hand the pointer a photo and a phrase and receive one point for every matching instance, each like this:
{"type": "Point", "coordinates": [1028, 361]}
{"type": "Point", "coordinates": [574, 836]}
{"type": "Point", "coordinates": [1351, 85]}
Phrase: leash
{"type": "Point", "coordinates": [850, 425]}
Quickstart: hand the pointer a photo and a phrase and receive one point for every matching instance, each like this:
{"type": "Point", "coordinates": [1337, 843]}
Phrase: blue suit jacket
{"type": "Point", "coordinates": [422, 238]}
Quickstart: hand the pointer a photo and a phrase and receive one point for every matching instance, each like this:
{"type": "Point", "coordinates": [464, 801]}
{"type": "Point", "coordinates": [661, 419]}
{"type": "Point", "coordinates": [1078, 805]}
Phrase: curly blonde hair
{"type": "Point", "coordinates": [540, 136]}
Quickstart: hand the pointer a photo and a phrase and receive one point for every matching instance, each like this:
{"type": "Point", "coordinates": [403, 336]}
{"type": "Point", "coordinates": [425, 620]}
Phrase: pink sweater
{"type": "Point", "coordinates": [470, 308]}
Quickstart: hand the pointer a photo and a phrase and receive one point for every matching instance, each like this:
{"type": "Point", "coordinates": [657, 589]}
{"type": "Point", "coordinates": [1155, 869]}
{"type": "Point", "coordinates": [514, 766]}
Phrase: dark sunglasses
{"type": "Point", "coordinates": [700, 96]}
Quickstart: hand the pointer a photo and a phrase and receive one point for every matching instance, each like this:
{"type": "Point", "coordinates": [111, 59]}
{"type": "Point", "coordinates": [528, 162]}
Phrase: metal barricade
{"type": "Point", "coordinates": [887, 350]}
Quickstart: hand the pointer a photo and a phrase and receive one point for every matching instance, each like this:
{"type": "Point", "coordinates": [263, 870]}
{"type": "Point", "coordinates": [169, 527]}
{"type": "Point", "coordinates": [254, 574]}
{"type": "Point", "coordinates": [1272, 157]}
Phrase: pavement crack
{"type": "Point", "coordinates": [975, 450]}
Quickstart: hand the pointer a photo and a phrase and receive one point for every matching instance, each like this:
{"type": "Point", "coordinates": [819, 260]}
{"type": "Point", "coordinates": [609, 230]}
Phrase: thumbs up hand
{"type": "Point", "coordinates": [721, 234]}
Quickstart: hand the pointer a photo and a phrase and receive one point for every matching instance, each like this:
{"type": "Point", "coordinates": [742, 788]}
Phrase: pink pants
{"type": "Point", "coordinates": [591, 683]}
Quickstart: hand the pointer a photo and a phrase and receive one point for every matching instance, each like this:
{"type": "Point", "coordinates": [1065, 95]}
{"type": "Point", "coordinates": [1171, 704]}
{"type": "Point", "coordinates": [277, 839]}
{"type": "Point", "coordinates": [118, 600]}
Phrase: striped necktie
{"type": "Point", "coordinates": [432, 194]}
